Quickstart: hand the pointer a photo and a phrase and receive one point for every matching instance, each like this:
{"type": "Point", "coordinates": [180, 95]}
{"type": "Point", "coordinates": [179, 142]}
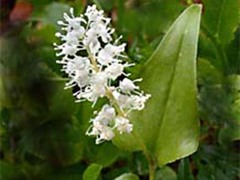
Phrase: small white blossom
{"type": "Point", "coordinates": [108, 112]}
{"type": "Point", "coordinates": [127, 85]}
{"type": "Point", "coordinates": [114, 70]}
{"type": "Point", "coordinates": [123, 125]}
{"type": "Point", "coordinates": [93, 62]}
{"type": "Point", "coordinates": [109, 54]}
{"type": "Point", "coordinates": [106, 134]}
{"type": "Point", "coordinates": [101, 124]}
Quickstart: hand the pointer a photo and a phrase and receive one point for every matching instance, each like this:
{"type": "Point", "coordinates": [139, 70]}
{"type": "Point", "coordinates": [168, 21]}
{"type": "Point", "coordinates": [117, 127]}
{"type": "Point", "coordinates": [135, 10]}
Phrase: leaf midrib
{"type": "Point", "coordinates": [169, 90]}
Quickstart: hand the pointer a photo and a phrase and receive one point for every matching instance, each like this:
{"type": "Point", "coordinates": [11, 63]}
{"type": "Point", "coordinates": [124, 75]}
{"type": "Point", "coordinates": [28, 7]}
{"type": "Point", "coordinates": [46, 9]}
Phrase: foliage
{"type": "Point", "coordinates": [42, 129]}
{"type": "Point", "coordinates": [171, 72]}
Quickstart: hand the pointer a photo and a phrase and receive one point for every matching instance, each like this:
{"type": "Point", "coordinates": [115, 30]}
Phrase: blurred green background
{"type": "Point", "coordinates": [42, 129]}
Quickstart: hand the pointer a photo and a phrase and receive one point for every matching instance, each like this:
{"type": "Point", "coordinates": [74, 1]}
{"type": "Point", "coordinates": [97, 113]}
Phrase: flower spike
{"type": "Point", "coordinates": [93, 62]}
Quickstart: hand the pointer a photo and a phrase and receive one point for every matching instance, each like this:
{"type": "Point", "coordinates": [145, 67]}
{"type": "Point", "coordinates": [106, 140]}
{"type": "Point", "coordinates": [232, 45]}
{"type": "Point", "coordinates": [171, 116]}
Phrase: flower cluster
{"type": "Point", "coordinates": [94, 63]}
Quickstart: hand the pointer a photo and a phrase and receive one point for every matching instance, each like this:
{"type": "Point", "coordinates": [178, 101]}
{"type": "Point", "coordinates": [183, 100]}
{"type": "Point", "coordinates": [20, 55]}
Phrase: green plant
{"type": "Point", "coordinates": [42, 130]}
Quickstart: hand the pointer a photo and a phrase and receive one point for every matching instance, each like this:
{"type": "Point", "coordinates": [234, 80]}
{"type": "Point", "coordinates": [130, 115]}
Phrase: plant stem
{"type": "Point", "coordinates": [109, 93]}
{"type": "Point", "coordinates": [151, 164]}
{"type": "Point", "coordinates": [152, 169]}
{"type": "Point", "coordinates": [110, 96]}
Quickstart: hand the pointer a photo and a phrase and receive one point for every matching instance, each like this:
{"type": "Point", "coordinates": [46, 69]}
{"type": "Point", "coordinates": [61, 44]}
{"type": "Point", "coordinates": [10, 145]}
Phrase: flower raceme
{"type": "Point", "coordinates": [94, 62]}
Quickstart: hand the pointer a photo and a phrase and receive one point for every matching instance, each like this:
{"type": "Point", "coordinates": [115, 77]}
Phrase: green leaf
{"type": "Point", "coordinates": [54, 12]}
{"type": "Point", "coordinates": [140, 164]}
{"type": "Point", "coordinates": [208, 75]}
{"type": "Point", "coordinates": [221, 18]}
{"type": "Point", "coordinates": [166, 173]}
{"type": "Point", "coordinates": [208, 50]}
{"type": "Point", "coordinates": [127, 176]}
{"type": "Point", "coordinates": [144, 20]}
{"type": "Point", "coordinates": [38, 7]}
{"type": "Point", "coordinates": [98, 153]}
{"type": "Point", "coordinates": [229, 134]}
{"type": "Point", "coordinates": [184, 171]}
{"type": "Point", "coordinates": [168, 127]}
{"type": "Point", "coordinates": [65, 109]}
{"type": "Point", "coordinates": [232, 52]}
{"type": "Point", "coordinates": [92, 172]}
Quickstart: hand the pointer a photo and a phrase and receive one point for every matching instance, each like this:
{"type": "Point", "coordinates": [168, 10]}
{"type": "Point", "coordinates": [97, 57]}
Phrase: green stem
{"type": "Point", "coordinates": [151, 165]}
{"type": "Point", "coordinates": [152, 169]}
{"type": "Point", "coordinates": [109, 93]}
{"type": "Point", "coordinates": [114, 102]}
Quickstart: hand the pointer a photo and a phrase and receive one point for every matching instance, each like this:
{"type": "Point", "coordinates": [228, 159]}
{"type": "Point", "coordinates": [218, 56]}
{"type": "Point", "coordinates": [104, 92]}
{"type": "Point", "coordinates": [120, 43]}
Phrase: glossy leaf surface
{"type": "Point", "coordinates": [168, 126]}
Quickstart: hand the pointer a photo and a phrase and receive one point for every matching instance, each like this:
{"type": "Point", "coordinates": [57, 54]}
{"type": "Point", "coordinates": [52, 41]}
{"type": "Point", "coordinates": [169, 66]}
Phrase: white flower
{"type": "Point", "coordinates": [67, 49]}
{"type": "Point", "coordinates": [99, 78]}
{"type": "Point", "coordinates": [123, 125]}
{"type": "Point", "coordinates": [106, 134]}
{"type": "Point", "coordinates": [94, 63]}
{"type": "Point", "coordinates": [114, 70]}
{"type": "Point", "coordinates": [107, 112]}
{"type": "Point", "coordinates": [92, 13]}
{"type": "Point", "coordinates": [109, 54]}
{"type": "Point", "coordinates": [101, 132]}
{"type": "Point", "coordinates": [78, 64]}
{"type": "Point", "coordinates": [127, 85]}
{"type": "Point", "coordinates": [138, 101]}
{"type": "Point", "coordinates": [101, 127]}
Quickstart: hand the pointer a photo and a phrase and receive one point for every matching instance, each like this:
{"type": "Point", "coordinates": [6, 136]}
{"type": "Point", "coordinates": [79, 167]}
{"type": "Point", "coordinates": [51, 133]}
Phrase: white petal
{"type": "Point", "coordinates": [127, 85]}
{"type": "Point", "coordinates": [114, 70]}
{"type": "Point", "coordinates": [123, 125]}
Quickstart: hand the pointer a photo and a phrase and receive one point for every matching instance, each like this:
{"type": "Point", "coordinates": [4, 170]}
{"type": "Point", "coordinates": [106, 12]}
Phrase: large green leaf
{"type": "Point", "coordinates": [221, 18]}
{"type": "Point", "coordinates": [168, 128]}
